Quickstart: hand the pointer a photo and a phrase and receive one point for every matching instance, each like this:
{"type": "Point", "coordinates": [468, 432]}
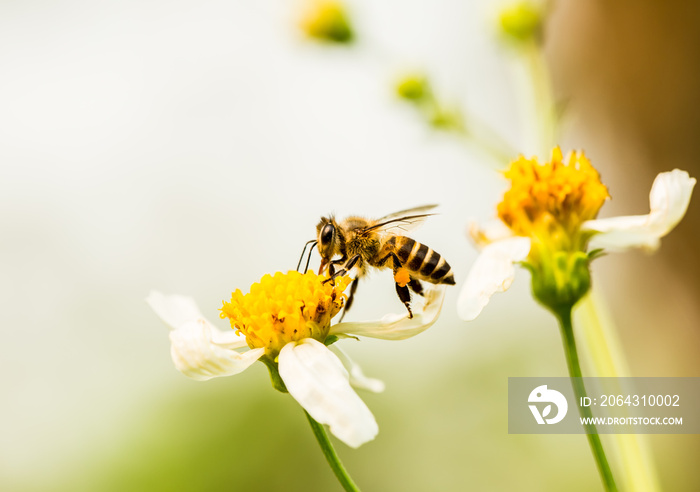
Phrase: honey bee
{"type": "Point", "coordinates": [361, 244]}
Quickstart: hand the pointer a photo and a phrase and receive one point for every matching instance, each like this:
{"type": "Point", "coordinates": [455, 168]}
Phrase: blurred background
{"type": "Point", "coordinates": [191, 147]}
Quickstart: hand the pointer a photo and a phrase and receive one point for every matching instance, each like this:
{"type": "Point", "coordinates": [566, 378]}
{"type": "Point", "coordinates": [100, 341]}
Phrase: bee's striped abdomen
{"type": "Point", "coordinates": [430, 263]}
{"type": "Point", "coordinates": [417, 257]}
{"type": "Point", "coordinates": [423, 262]}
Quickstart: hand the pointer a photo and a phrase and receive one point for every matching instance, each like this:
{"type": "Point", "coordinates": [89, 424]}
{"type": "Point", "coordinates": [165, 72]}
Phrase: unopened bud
{"type": "Point", "coordinates": [327, 20]}
{"type": "Point", "coordinates": [521, 22]}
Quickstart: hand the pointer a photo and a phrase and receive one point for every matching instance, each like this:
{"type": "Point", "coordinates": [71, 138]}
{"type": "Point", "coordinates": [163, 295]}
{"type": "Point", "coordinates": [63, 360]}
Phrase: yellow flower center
{"type": "Point", "coordinates": [548, 203]}
{"type": "Point", "coordinates": [285, 308]}
{"type": "Point", "coordinates": [560, 194]}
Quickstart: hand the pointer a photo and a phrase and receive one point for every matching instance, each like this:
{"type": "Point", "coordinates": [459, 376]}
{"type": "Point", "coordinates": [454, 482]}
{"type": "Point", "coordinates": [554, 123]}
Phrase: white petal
{"type": "Point", "coordinates": [426, 310]}
{"type": "Point", "coordinates": [228, 338]}
{"type": "Point", "coordinates": [316, 378]}
{"type": "Point", "coordinates": [668, 201]}
{"type": "Point", "coordinates": [198, 356]}
{"type": "Point", "coordinates": [493, 271]}
{"type": "Point", "coordinates": [487, 233]}
{"type": "Point", "coordinates": [177, 311]}
{"type": "Point", "coordinates": [174, 310]}
{"type": "Point", "coordinates": [357, 377]}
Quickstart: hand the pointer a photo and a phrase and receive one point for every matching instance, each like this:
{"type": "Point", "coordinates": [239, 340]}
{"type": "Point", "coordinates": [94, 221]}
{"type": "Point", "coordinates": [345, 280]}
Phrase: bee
{"type": "Point", "coordinates": [361, 244]}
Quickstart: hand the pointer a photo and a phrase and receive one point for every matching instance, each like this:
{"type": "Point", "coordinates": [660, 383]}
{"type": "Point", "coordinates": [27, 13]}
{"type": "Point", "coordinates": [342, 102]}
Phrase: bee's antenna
{"type": "Point", "coordinates": [309, 260]}
{"type": "Point", "coordinates": [304, 252]}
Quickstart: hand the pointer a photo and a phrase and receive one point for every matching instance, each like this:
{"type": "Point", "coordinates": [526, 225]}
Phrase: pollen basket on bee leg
{"type": "Point", "coordinates": [402, 277]}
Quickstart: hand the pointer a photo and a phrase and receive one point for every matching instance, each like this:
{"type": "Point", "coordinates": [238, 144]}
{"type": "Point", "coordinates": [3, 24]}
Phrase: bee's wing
{"type": "Point", "coordinates": [399, 225]}
{"type": "Point", "coordinates": [409, 211]}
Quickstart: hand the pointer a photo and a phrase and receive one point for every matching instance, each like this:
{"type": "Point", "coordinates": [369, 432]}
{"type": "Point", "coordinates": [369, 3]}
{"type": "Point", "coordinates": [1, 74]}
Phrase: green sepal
{"type": "Point", "coordinates": [526, 265]}
{"type": "Point", "coordinates": [596, 253]}
{"type": "Point", "coordinates": [330, 340]}
{"type": "Point", "coordinates": [275, 377]}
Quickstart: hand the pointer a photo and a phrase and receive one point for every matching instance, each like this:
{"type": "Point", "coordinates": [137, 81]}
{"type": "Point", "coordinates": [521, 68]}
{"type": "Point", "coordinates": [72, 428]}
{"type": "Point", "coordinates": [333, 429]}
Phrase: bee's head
{"type": "Point", "coordinates": [328, 240]}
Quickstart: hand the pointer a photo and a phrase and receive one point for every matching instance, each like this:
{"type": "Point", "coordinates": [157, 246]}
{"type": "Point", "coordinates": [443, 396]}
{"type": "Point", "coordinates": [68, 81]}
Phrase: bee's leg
{"type": "Point", "coordinates": [331, 270]}
{"type": "Point", "coordinates": [405, 296]}
{"type": "Point", "coordinates": [348, 266]}
{"type": "Point", "coordinates": [416, 286]}
{"type": "Point", "coordinates": [351, 297]}
{"type": "Point", "coordinates": [382, 261]}
{"type": "Point", "coordinates": [401, 288]}
{"type": "Point", "coordinates": [331, 273]}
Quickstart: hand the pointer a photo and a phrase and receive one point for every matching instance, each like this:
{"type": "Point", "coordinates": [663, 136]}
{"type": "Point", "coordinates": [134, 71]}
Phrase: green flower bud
{"type": "Point", "coordinates": [521, 22]}
{"type": "Point", "coordinates": [413, 87]}
{"type": "Point", "coordinates": [327, 20]}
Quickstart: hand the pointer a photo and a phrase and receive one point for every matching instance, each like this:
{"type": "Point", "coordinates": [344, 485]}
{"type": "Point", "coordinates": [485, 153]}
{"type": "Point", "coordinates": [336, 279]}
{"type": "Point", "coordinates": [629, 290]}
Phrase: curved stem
{"type": "Point", "coordinates": [489, 141]}
{"type": "Point", "coordinates": [567, 332]}
{"type": "Point", "coordinates": [472, 129]}
{"type": "Point", "coordinates": [331, 456]}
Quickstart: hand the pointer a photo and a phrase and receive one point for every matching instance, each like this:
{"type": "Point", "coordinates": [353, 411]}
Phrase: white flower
{"type": "Point", "coordinates": [668, 202]}
{"type": "Point", "coordinates": [494, 269]}
{"type": "Point", "coordinates": [320, 378]}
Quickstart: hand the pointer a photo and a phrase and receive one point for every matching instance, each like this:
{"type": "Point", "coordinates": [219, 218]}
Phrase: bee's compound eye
{"type": "Point", "coordinates": [327, 234]}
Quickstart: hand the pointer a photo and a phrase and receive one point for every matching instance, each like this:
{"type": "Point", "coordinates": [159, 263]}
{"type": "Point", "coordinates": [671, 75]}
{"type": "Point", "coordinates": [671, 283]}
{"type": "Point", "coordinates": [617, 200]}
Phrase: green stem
{"type": "Point", "coordinates": [486, 138]}
{"type": "Point", "coordinates": [567, 331]}
{"type": "Point", "coordinates": [472, 129]}
{"type": "Point", "coordinates": [607, 359]}
{"type": "Point", "coordinates": [331, 456]}
{"type": "Point", "coordinates": [545, 109]}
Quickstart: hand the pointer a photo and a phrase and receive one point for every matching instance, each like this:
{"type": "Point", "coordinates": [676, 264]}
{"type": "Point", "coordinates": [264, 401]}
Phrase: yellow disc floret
{"type": "Point", "coordinates": [562, 193]}
{"type": "Point", "coordinates": [549, 203]}
{"type": "Point", "coordinates": [285, 307]}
